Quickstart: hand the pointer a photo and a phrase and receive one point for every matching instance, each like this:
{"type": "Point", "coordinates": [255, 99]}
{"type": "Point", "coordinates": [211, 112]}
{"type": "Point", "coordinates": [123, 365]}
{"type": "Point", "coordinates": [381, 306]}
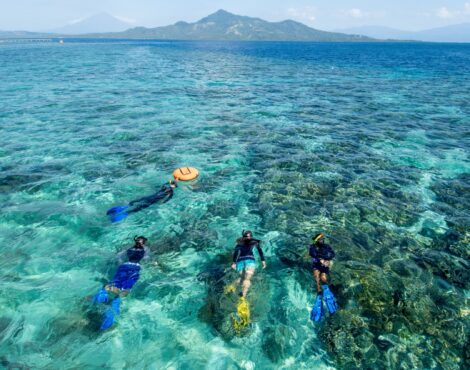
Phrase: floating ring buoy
{"type": "Point", "coordinates": [185, 173]}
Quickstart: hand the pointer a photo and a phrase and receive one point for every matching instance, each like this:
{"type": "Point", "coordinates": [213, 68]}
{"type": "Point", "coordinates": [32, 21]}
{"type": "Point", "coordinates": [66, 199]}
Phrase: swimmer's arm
{"type": "Point", "coordinates": [147, 254]}
{"type": "Point", "coordinates": [261, 255]}
{"type": "Point", "coordinates": [121, 256]}
{"type": "Point", "coordinates": [236, 254]}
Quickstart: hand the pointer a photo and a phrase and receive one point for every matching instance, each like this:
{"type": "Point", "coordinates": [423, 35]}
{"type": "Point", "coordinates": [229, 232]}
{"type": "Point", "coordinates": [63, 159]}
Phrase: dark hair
{"type": "Point", "coordinates": [142, 238]}
{"type": "Point", "coordinates": [246, 232]}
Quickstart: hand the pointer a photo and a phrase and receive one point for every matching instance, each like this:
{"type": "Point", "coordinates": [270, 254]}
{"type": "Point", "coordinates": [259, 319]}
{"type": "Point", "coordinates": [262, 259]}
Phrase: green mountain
{"type": "Point", "coordinates": [223, 25]}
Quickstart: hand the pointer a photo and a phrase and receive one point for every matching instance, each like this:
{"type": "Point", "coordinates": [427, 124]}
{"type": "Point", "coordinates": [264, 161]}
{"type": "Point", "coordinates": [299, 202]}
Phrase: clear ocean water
{"type": "Point", "coordinates": [366, 142]}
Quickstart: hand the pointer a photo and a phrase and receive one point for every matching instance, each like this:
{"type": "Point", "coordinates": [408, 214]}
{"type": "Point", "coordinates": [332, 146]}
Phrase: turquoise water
{"type": "Point", "coordinates": [366, 142]}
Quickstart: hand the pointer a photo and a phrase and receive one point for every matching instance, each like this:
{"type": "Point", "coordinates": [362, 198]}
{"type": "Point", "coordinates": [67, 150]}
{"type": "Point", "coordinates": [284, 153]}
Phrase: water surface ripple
{"type": "Point", "coordinates": [367, 142]}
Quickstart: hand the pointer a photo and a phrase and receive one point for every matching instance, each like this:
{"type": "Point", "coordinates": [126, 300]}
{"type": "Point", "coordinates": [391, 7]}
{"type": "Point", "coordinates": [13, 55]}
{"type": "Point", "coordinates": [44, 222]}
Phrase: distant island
{"type": "Point", "coordinates": [218, 26]}
{"type": "Point", "coordinates": [452, 33]}
{"type": "Point", "coordinates": [223, 25]}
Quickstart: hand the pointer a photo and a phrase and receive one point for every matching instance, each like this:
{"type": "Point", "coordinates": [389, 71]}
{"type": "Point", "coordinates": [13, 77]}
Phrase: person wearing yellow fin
{"type": "Point", "coordinates": [244, 263]}
{"type": "Point", "coordinates": [244, 260]}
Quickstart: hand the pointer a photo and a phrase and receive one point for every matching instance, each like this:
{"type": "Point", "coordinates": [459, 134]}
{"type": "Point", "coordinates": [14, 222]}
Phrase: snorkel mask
{"type": "Point", "coordinates": [318, 237]}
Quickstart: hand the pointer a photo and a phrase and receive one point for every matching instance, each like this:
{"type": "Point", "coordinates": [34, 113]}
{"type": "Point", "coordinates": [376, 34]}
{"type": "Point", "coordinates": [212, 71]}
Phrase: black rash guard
{"type": "Point", "coordinates": [323, 252]}
{"type": "Point", "coordinates": [135, 254]}
{"type": "Point", "coordinates": [244, 250]}
{"type": "Point", "coordinates": [164, 194]}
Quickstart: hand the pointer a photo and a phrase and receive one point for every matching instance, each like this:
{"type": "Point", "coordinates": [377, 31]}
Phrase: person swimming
{"type": "Point", "coordinates": [165, 193]}
{"type": "Point", "coordinates": [126, 276]}
{"type": "Point", "coordinates": [244, 260]}
{"type": "Point", "coordinates": [322, 260]}
{"type": "Point", "coordinates": [245, 264]}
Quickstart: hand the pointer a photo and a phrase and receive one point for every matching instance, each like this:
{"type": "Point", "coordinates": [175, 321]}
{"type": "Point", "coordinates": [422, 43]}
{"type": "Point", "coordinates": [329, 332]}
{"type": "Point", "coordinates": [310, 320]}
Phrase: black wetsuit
{"type": "Point", "coordinates": [164, 195]}
{"type": "Point", "coordinates": [135, 254]}
{"type": "Point", "coordinates": [244, 250]}
{"type": "Point", "coordinates": [323, 252]}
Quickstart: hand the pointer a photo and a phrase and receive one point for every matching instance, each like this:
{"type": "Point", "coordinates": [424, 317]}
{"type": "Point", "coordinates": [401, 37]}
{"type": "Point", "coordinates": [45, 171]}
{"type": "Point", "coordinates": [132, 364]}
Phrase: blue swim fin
{"type": "Point", "coordinates": [111, 313]}
{"type": "Point", "coordinates": [116, 305]}
{"type": "Point", "coordinates": [117, 209]}
{"type": "Point", "coordinates": [330, 299]}
{"type": "Point", "coordinates": [101, 296]}
{"type": "Point", "coordinates": [118, 217]}
{"type": "Point", "coordinates": [108, 319]}
{"type": "Point", "coordinates": [317, 310]}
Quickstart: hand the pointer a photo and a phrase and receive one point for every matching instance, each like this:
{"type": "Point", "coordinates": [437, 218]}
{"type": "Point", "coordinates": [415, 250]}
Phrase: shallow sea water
{"type": "Point", "coordinates": [366, 142]}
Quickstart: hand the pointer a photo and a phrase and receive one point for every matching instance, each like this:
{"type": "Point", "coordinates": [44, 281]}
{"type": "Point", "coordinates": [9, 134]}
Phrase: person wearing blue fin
{"type": "Point", "coordinates": [127, 274]}
{"type": "Point", "coordinates": [165, 193]}
{"type": "Point", "coordinates": [322, 260]}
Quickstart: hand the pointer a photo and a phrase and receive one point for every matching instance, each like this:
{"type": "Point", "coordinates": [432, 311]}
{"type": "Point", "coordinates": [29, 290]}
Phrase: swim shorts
{"type": "Point", "coordinates": [127, 275]}
{"type": "Point", "coordinates": [242, 265]}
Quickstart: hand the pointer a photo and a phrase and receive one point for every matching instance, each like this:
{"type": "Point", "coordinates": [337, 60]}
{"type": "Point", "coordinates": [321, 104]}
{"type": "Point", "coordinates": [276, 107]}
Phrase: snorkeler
{"type": "Point", "coordinates": [322, 260]}
{"type": "Point", "coordinates": [244, 260]}
{"type": "Point", "coordinates": [165, 193]}
{"type": "Point", "coordinates": [127, 274]}
{"type": "Point", "coordinates": [244, 263]}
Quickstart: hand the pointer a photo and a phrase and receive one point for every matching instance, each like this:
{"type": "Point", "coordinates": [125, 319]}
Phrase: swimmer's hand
{"type": "Point", "coordinates": [234, 266]}
{"type": "Point", "coordinates": [264, 264]}
{"type": "Point", "coordinates": [325, 263]}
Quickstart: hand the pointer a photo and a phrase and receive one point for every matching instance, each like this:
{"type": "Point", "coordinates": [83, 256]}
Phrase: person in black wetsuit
{"type": "Point", "coordinates": [244, 259]}
{"type": "Point", "coordinates": [322, 259]}
{"type": "Point", "coordinates": [163, 195]}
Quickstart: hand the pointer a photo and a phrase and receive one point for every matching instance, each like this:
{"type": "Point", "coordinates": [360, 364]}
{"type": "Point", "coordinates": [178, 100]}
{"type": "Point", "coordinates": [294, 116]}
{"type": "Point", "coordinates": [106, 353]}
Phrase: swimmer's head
{"type": "Point", "coordinates": [319, 238]}
{"type": "Point", "coordinates": [140, 240]}
{"type": "Point", "coordinates": [247, 234]}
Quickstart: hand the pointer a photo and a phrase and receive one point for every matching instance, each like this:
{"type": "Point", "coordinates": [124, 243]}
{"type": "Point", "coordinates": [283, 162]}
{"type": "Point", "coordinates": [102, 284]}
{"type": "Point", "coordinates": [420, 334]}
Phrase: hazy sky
{"type": "Point", "coordinates": [38, 15]}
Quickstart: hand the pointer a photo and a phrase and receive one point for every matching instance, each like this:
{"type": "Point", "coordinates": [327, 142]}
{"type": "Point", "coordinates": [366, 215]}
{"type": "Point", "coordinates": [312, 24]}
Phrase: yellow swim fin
{"type": "Point", "coordinates": [243, 315]}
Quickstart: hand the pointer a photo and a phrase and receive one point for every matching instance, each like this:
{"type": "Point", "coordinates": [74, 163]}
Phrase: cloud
{"type": "Point", "coordinates": [76, 20]}
{"type": "Point", "coordinates": [356, 13]}
{"type": "Point", "coordinates": [466, 8]}
{"type": "Point", "coordinates": [125, 19]}
{"type": "Point", "coordinates": [305, 14]}
{"type": "Point", "coordinates": [444, 13]}
{"type": "Point", "coordinates": [361, 14]}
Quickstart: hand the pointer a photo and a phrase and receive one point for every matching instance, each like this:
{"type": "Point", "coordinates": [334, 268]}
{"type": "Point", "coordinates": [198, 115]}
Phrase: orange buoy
{"type": "Point", "coordinates": [185, 173]}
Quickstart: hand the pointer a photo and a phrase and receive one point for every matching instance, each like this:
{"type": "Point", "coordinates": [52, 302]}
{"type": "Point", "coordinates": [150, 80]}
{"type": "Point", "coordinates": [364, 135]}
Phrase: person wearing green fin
{"type": "Point", "coordinates": [322, 260]}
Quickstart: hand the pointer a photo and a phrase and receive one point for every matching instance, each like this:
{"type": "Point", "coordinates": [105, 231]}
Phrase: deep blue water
{"type": "Point", "coordinates": [368, 143]}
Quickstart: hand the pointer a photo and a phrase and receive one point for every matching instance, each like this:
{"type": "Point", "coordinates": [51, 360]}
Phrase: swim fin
{"type": "Point", "coordinates": [117, 209]}
{"type": "Point", "coordinates": [101, 296]}
{"type": "Point", "coordinates": [330, 299]}
{"type": "Point", "coordinates": [317, 310]}
{"type": "Point", "coordinates": [242, 319]}
{"type": "Point", "coordinates": [111, 313]}
{"type": "Point", "coordinates": [116, 305]}
{"type": "Point", "coordinates": [119, 217]}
